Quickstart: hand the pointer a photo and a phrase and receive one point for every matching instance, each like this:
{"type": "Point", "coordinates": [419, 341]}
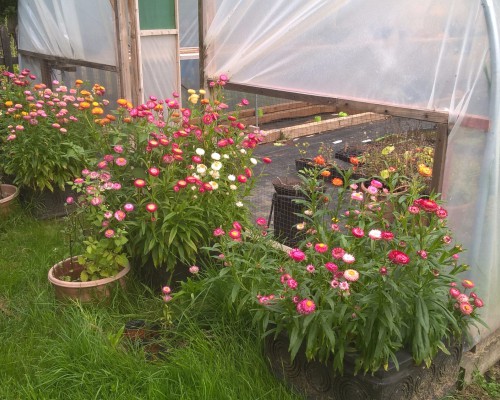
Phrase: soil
{"type": "Point", "coordinates": [475, 391]}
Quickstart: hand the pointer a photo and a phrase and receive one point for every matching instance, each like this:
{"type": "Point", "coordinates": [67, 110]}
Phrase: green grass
{"type": "Point", "coordinates": [52, 350]}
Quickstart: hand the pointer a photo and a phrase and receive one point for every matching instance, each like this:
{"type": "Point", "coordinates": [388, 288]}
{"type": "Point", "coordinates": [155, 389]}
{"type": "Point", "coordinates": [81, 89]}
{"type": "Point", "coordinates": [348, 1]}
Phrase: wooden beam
{"type": "Point", "coordinates": [122, 57]}
{"type": "Point", "coordinates": [64, 60]}
{"type": "Point", "coordinates": [135, 53]}
{"type": "Point", "coordinates": [201, 45]}
{"type": "Point", "coordinates": [439, 157]}
{"type": "Point", "coordinates": [351, 106]}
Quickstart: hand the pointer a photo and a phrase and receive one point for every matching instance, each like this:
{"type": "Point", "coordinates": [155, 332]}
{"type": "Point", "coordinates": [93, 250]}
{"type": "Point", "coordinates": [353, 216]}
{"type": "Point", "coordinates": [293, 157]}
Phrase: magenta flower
{"type": "Point", "coordinates": [478, 302]}
{"type": "Point", "coordinates": [310, 268]}
{"type": "Point", "coordinates": [462, 298]}
{"type": "Point", "coordinates": [235, 234]}
{"type": "Point", "coordinates": [338, 253]}
{"type": "Point", "coordinates": [376, 184]}
{"type": "Point", "coordinates": [70, 200]}
{"type": "Point", "coordinates": [387, 235]}
{"type": "Point", "coordinates": [398, 257]}
{"type": "Point", "coordinates": [331, 267]}
{"type": "Point", "coordinates": [413, 210]}
{"type": "Point", "coordinates": [292, 283]}
{"type": "Point", "coordinates": [297, 255]}
{"type": "Point", "coordinates": [306, 306]}
{"type": "Point", "coordinates": [218, 232]}
{"type": "Point", "coordinates": [454, 292]}
{"type": "Point", "coordinates": [151, 207]}
{"type": "Point", "coordinates": [96, 201]}
{"type": "Point", "coordinates": [441, 213]}
{"type": "Point", "coordinates": [320, 247]}
{"type": "Point", "coordinates": [261, 221]}
{"type": "Point", "coordinates": [357, 232]}
{"type": "Point", "coordinates": [128, 207]}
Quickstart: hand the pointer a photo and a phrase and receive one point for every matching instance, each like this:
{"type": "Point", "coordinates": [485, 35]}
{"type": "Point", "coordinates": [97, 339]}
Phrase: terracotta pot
{"type": "Point", "coordinates": [8, 195]}
{"type": "Point", "coordinates": [83, 291]}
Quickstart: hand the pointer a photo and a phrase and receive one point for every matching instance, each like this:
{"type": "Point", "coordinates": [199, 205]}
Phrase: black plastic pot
{"type": "Point", "coordinates": [317, 381]}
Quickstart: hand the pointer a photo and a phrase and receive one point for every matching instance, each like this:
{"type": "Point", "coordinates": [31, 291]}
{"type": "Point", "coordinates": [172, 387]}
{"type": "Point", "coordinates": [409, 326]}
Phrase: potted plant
{"type": "Point", "coordinates": [362, 308]}
{"type": "Point", "coordinates": [323, 163]}
{"type": "Point", "coordinates": [183, 170]}
{"type": "Point", "coordinates": [97, 239]}
{"type": "Point", "coordinates": [8, 196]}
{"type": "Point", "coordinates": [48, 135]}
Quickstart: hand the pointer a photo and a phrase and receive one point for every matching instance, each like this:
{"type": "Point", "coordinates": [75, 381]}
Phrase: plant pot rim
{"type": "Point", "coordinates": [76, 285]}
{"type": "Point", "coordinates": [14, 192]}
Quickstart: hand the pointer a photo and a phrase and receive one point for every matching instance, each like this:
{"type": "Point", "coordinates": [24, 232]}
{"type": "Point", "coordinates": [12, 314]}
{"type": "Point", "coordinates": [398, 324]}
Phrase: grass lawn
{"type": "Point", "coordinates": [52, 350]}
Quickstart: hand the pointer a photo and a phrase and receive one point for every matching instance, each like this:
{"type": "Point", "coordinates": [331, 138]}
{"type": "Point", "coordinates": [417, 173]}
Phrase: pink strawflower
{"type": "Point", "coordinates": [351, 275]}
{"type": "Point", "coordinates": [422, 253]}
{"type": "Point", "coordinates": [194, 269]}
{"type": "Point", "coordinates": [398, 257]}
{"type": "Point", "coordinates": [468, 284]}
{"type": "Point", "coordinates": [121, 162]}
{"type": "Point", "coordinates": [166, 290]}
{"type": "Point", "coordinates": [96, 201]}
{"type": "Point", "coordinates": [306, 306]}
{"type": "Point", "coordinates": [382, 270]}
{"type": "Point", "coordinates": [358, 196]}
{"type": "Point", "coordinates": [235, 234]}
{"type": "Point", "coordinates": [320, 247]}
{"type": "Point", "coordinates": [334, 283]}
{"type": "Point", "coordinates": [292, 283]}
{"type": "Point", "coordinates": [447, 239]}
{"type": "Point", "coordinates": [462, 298]}
{"type": "Point", "coordinates": [237, 226]}
{"type": "Point", "coordinates": [338, 252]}
{"type": "Point", "coordinates": [109, 233]}
{"type": "Point", "coordinates": [218, 232]}
{"type": "Point", "coordinates": [376, 184]}
{"type": "Point", "coordinates": [151, 207]}
{"type": "Point", "coordinates": [70, 200]}
{"type": "Point", "coordinates": [386, 235]}
{"type": "Point", "coordinates": [120, 215]}
{"type": "Point", "coordinates": [413, 209]}
{"type": "Point", "coordinates": [128, 207]}
{"type": "Point", "coordinates": [358, 232]}
{"type": "Point", "coordinates": [310, 268]}
{"type": "Point", "coordinates": [344, 285]}
{"type": "Point", "coordinates": [372, 190]}
{"type": "Point", "coordinates": [478, 302]}
{"type": "Point", "coordinates": [466, 308]}
{"type": "Point", "coordinates": [441, 213]}
{"type": "Point", "coordinates": [297, 255]}
{"type": "Point", "coordinates": [261, 221]}
{"type": "Point", "coordinates": [454, 292]}
{"type": "Point", "coordinates": [331, 267]}
{"type": "Point", "coordinates": [118, 149]}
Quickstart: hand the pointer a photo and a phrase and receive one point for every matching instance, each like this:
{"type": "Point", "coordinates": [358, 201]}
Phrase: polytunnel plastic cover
{"type": "Point", "coordinates": [425, 54]}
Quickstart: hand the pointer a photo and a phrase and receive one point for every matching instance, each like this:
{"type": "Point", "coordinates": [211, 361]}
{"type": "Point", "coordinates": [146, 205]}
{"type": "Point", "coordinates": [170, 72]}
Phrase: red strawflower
{"type": "Point", "coordinates": [398, 257]}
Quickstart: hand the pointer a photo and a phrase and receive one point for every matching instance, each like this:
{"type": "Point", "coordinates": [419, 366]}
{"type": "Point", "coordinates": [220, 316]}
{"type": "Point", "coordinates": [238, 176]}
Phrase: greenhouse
{"type": "Point", "coordinates": [321, 174]}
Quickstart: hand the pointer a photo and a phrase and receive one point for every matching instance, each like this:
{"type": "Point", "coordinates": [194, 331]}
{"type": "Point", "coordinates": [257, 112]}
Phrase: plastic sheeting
{"type": "Point", "coordinates": [188, 23]}
{"type": "Point", "coordinates": [425, 54]}
{"type": "Point", "coordinates": [81, 30]}
{"type": "Point", "coordinates": [159, 65]}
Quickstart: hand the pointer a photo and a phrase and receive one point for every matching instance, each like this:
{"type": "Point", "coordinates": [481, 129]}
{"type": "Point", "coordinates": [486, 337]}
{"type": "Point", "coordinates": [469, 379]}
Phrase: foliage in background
{"type": "Point", "coordinates": [47, 136]}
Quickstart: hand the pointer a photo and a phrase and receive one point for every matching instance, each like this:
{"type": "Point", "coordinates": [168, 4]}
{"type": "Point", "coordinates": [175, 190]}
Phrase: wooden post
{"type": "Point", "coordinates": [439, 157]}
{"type": "Point", "coordinates": [123, 57]}
{"type": "Point", "coordinates": [201, 45]}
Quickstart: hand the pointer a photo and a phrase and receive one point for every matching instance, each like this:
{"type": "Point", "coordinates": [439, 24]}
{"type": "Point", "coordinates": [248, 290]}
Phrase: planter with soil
{"type": "Point", "coordinates": [8, 196]}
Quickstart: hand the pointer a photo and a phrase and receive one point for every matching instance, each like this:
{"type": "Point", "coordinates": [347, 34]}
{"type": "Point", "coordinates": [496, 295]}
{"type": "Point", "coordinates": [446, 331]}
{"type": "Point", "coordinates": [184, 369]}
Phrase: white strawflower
{"type": "Point", "coordinates": [214, 185]}
{"type": "Point", "coordinates": [233, 187]}
{"type": "Point", "coordinates": [215, 174]}
{"type": "Point", "coordinates": [232, 178]}
{"type": "Point", "coordinates": [239, 204]}
{"type": "Point", "coordinates": [253, 161]}
{"type": "Point", "coordinates": [216, 165]}
{"type": "Point", "coordinates": [201, 169]}
{"type": "Point", "coordinates": [200, 151]}
{"type": "Point", "coordinates": [243, 151]}
{"type": "Point", "coordinates": [225, 156]}
{"type": "Point", "coordinates": [215, 156]}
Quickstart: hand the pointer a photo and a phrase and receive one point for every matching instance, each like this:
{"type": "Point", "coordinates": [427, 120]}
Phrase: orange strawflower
{"type": "Point", "coordinates": [319, 160]}
{"type": "Point", "coordinates": [97, 111]}
{"type": "Point", "coordinates": [84, 105]}
{"type": "Point", "coordinates": [122, 102]}
{"type": "Point", "coordinates": [354, 160]}
{"type": "Point", "coordinates": [337, 182]}
{"type": "Point", "coordinates": [424, 170]}
{"type": "Point", "coordinates": [325, 173]}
